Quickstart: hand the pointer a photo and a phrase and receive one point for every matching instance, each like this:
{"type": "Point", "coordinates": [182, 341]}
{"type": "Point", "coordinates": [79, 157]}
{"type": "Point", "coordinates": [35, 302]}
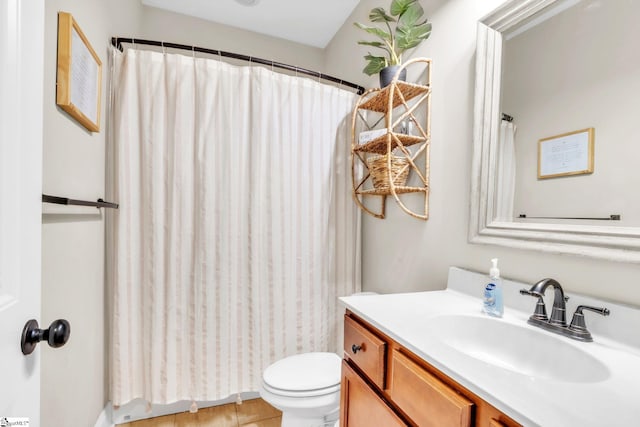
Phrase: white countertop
{"type": "Point", "coordinates": [531, 401]}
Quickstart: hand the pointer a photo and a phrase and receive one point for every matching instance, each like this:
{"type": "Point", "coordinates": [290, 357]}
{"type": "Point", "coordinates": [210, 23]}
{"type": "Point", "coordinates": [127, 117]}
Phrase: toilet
{"type": "Point", "coordinates": [306, 388]}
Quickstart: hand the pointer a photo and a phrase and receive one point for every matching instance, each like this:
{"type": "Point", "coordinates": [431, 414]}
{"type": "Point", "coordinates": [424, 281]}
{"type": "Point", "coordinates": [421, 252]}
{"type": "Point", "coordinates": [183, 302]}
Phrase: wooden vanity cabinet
{"type": "Point", "coordinates": [385, 385]}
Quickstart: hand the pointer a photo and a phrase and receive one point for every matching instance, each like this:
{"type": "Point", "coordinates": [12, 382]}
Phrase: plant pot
{"type": "Point", "coordinates": [387, 74]}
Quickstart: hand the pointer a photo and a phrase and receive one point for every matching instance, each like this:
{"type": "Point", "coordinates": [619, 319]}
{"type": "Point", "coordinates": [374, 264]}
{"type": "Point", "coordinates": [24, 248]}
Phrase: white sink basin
{"type": "Point", "coordinates": [521, 349]}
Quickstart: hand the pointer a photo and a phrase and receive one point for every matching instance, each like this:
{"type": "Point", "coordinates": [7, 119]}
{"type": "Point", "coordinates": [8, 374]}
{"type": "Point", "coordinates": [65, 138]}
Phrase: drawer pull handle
{"type": "Point", "coordinates": [356, 348]}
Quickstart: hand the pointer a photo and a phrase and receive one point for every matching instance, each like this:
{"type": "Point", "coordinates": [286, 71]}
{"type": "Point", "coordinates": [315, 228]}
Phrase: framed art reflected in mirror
{"type": "Point", "coordinates": [567, 154]}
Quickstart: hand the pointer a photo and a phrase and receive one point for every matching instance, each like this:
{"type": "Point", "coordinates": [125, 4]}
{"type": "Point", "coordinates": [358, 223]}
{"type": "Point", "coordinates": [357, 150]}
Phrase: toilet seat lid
{"type": "Point", "coordinates": [304, 372]}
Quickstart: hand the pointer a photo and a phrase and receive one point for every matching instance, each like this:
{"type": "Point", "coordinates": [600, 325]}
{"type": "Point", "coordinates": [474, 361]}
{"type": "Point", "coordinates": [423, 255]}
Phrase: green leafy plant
{"type": "Point", "coordinates": [410, 30]}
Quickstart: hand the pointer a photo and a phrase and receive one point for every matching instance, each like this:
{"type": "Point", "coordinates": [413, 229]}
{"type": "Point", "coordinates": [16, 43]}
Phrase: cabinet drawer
{"type": "Point", "coordinates": [366, 350]}
{"type": "Point", "coordinates": [424, 398]}
{"type": "Point", "coordinates": [360, 406]}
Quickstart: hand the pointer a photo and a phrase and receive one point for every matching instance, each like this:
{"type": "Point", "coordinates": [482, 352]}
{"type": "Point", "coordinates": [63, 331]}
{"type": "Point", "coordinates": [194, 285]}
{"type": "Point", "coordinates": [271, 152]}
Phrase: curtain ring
{"type": "Point", "coordinates": [219, 56]}
{"type": "Point", "coordinates": [164, 51]}
{"type": "Point", "coordinates": [272, 66]}
{"type": "Point", "coordinates": [133, 42]}
{"type": "Point", "coordinates": [193, 51]}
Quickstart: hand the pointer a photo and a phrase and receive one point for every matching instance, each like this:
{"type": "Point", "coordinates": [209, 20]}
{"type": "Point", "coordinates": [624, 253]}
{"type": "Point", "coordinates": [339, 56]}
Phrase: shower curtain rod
{"type": "Point", "coordinates": [117, 42]}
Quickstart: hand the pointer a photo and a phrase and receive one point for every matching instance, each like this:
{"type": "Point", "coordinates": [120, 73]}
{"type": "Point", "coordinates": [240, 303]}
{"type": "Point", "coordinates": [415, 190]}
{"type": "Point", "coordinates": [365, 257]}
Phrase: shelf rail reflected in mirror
{"type": "Point", "coordinates": [612, 217]}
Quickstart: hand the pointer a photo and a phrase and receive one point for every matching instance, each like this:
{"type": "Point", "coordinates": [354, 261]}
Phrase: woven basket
{"type": "Point", "coordinates": [378, 168]}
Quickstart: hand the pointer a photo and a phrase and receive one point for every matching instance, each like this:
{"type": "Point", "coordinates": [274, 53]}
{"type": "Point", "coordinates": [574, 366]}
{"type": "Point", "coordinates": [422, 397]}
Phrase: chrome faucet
{"type": "Point", "coordinates": [559, 309]}
{"type": "Point", "coordinates": [558, 322]}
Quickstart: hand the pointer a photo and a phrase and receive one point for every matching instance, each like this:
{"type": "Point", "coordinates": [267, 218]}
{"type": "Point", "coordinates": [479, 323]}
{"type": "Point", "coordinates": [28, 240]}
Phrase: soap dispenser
{"type": "Point", "coordinates": [492, 301]}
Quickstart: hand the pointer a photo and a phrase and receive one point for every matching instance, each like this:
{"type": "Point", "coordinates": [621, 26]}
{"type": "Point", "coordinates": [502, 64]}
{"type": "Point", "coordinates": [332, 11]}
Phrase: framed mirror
{"type": "Point", "coordinates": [558, 69]}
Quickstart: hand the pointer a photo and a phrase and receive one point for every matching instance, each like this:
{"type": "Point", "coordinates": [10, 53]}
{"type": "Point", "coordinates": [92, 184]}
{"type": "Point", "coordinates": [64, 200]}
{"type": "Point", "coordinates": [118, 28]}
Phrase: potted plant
{"type": "Point", "coordinates": [410, 30]}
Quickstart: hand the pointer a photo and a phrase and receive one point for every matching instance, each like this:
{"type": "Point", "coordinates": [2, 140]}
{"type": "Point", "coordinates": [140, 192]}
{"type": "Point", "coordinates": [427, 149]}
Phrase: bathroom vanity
{"type": "Point", "coordinates": [434, 359]}
{"type": "Point", "coordinates": [384, 384]}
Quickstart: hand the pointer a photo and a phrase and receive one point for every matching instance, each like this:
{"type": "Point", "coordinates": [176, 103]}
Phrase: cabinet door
{"type": "Point", "coordinates": [424, 398]}
{"type": "Point", "coordinates": [366, 350]}
{"type": "Point", "coordinates": [360, 406]}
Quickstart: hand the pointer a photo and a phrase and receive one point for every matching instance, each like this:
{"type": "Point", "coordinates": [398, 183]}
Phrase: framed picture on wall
{"type": "Point", "coordinates": [567, 154]}
{"type": "Point", "coordinates": [79, 76]}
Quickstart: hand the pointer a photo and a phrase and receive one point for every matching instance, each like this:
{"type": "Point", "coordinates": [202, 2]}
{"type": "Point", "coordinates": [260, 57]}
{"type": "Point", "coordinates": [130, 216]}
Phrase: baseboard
{"type": "Point", "coordinates": [104, 419]}
{"type": "Point", "coordinates": [139, 409]}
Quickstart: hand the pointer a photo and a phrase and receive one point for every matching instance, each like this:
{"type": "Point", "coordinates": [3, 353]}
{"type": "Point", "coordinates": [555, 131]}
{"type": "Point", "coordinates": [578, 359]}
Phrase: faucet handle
{"type": "Point", "coordinates": [530, 293]}
{"type": "Point", "coordinates": [540, 312]}
{"type": "Point", "coordinates": [578, 327]}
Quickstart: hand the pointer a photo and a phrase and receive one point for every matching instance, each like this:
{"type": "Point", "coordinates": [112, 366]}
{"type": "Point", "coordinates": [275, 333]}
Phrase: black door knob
{"type": "Point", "coordinates": [59, 332]}
{"type": "Point", "coordinates": [56, 335]}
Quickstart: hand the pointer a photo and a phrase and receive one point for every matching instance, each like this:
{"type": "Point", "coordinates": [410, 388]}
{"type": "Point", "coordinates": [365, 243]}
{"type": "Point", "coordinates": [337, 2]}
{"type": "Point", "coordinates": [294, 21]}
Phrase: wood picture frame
{"type": "Point", "coordinates": [566, 154]}
{"type": "Point", "coordinates": [79, 74]}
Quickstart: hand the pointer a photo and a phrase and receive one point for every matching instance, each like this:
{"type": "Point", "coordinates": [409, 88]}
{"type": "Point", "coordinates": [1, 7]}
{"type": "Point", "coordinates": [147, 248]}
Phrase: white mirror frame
{"type": "Point", "coordinates": [604, 242]}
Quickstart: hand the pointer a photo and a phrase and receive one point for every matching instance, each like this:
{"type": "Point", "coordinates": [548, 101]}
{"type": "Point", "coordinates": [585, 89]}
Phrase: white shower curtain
{"type": "Point", "coordinates": [506, 171]}
{"type": "Point", "coordinates": [236, 231]}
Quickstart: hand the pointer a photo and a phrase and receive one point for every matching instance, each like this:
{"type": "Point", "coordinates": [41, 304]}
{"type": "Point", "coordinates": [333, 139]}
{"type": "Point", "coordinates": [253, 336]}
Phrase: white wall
{"type": "Point", "coordinates": [404, 254]}
{"type": "Point", "coordinates": [582, 79]}
{"type": "Point", "coordinates": [75, 377]}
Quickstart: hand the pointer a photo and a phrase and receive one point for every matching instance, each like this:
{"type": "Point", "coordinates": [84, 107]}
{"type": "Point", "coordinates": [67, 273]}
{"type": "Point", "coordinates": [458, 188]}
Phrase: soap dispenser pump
{"type": "Point", "coordinates": [492, 302]}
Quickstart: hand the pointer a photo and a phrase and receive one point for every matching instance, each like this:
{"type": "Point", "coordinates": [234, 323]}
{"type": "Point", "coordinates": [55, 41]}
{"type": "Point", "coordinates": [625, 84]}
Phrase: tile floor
{"type": "Point", "coordinates": [251, 413]}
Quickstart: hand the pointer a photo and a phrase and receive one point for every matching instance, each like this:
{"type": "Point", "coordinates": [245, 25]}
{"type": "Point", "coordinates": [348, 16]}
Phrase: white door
{"type": "Point", "coordinates": [21, 75]}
